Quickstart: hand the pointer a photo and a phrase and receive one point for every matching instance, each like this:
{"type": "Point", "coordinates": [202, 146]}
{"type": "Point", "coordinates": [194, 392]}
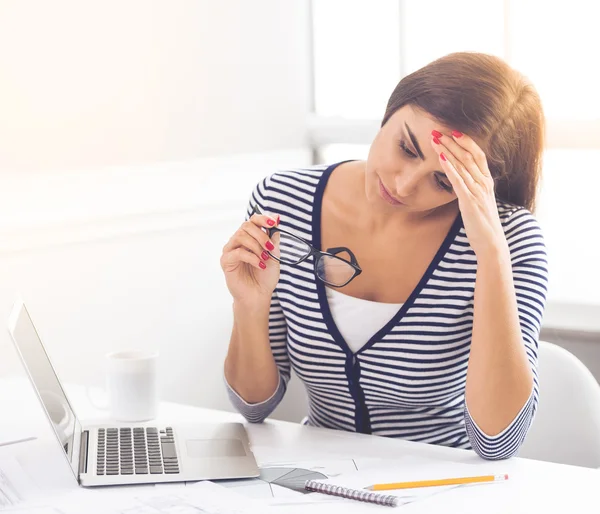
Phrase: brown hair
{"type": "Point", "coordinates": [482, 96]}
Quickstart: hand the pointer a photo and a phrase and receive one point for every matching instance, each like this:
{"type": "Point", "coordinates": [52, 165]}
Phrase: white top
{"type": "Point", "coordinates": [358, 319]}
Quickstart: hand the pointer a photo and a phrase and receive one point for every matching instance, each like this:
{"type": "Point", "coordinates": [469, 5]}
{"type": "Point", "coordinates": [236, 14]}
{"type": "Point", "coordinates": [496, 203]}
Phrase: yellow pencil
{"type": "Point", "coordinates": [436, 483]}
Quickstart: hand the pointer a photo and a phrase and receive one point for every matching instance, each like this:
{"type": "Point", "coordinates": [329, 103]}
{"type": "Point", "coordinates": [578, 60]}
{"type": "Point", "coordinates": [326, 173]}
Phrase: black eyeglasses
{"type": "Point", "coordinates": [330, 267]}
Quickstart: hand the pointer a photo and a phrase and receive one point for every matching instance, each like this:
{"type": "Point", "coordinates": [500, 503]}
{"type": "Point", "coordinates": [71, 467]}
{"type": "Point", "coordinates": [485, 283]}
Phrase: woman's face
{"type": "Point", "coordinates": [403, 172]}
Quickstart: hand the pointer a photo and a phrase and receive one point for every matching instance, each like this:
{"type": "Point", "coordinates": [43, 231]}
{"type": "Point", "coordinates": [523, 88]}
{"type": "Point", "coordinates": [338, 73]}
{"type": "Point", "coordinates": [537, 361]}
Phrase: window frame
{"type": "Point", "coordinates": [569, 133]}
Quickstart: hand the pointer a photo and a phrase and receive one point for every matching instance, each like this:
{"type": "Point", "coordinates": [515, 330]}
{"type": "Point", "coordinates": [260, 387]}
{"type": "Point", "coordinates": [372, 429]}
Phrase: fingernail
{"type": "Point", "coordinates": [278, 219]}
{"type": "Point", "coordinates": [456, 133]}
{"type": "Point", "coordinates": [270, 222]}
{"type": "Point", "coordinates": [436, 141]}
{"type": "Point", "coordinates": [264, 256]}
{"type": "Point", "coordinates": [262, 265]}
{"type": "Point", "coordinates": [443, 157]}
{"type": "Point", "coordinates": [269, 246]}
{"type": "Point", "coordinates": [435, 133]}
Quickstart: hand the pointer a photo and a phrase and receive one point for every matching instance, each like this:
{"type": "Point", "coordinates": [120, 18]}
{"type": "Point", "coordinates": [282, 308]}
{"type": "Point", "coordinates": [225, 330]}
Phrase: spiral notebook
{"type": "Point", "coordinates": [352, 494]}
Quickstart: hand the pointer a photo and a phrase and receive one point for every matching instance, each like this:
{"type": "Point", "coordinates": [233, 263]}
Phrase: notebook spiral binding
{"type": "Point", "coordinates": [353, 494]}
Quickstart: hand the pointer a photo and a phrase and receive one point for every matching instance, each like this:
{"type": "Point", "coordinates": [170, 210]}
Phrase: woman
{"type": "Point", "coordinates": [434, 336]}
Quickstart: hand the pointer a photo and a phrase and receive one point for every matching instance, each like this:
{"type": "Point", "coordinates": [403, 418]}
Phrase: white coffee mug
{"type": "Point", "coordinates": [132, 385]}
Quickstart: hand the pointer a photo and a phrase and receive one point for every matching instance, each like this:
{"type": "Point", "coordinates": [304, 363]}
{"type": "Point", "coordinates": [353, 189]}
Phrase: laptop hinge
{"type": "Point", "coordinates": [83, 452]}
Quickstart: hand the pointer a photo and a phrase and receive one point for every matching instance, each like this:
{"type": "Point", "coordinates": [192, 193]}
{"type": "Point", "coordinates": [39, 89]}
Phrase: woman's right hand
{"type": "Point", "coordinates": [251, 274]}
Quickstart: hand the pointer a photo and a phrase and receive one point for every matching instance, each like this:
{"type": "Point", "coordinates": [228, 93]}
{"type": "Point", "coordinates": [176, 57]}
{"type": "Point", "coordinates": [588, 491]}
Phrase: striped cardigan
{"type": "Point", "coordinates": [408, 381]}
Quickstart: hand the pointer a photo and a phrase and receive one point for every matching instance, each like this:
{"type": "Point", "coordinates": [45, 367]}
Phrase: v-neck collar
{"type": "Point", "coordinates": [322, 294]}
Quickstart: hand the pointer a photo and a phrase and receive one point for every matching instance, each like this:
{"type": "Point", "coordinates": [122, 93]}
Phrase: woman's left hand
{"type": "Point", "coordinates": [465, 165]}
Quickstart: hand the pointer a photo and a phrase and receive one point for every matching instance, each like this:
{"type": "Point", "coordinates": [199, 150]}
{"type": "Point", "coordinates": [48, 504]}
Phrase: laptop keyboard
{"type": "Point", "coordinates": [139, 451]}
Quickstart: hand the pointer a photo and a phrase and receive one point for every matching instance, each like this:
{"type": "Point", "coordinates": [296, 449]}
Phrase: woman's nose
{"type": "Point", "coordinates": [406, 184]}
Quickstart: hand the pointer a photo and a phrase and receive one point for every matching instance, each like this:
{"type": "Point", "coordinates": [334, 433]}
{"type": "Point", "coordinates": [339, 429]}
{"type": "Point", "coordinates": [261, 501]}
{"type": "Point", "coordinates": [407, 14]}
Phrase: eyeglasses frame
{"type": "Point", "coordinates": [316, 253]}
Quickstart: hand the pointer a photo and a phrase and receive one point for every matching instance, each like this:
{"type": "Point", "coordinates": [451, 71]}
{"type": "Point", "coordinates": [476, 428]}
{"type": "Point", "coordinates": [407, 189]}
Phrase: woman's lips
{"type": "Point", "coordinates": [387, 196]}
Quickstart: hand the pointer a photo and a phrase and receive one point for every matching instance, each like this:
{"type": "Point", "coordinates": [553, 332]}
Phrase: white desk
{"type": "Point", "coordinates": [533, 487]}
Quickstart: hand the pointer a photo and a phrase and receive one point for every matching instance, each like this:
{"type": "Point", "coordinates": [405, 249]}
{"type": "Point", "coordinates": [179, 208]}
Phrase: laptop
{"type": "Point", "coordinates": [133, 453]}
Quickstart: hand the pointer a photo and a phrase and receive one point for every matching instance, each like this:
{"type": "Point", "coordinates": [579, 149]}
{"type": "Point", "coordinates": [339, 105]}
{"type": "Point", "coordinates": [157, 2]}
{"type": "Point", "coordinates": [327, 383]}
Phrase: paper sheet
{"type": "Point", "coordinates": [355, 473]}
{"type": "Point", "coordinates": [204, 498]}
{"type": "Point", "coordinates": [15, 440]}
{"type": "Point", "coordinates": [279, 480]}
{"type": "Point", "coordinates": [25, 509]}
{"type": "Point", "coordinates": [287, 486]}
{"type": "Point", "coordinates": [15, 434]}
{"type": "Point", "coordinates": [15, 484]}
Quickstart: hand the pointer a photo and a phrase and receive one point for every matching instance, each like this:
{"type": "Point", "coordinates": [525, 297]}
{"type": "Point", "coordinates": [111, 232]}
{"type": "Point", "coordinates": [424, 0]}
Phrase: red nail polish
{"type": "Point", "coordinates": [270, 223]}
{"type": "Point", "coordinates": [456, 133]}
{"type": "Point", "coordinates": [262, 265]}
{"type": "Point", "coordinates": [278, 219]}
{"type": "Point", "coordinates": [264, 256]}
{"type": "Point", "coordinates": [269, 246]}
{"type": "Point", "coordinates": [436, 141]}
{"type": "Point", "coordinates": [443, 157]}
{"type": "Point", "coordinates": [437, 134]}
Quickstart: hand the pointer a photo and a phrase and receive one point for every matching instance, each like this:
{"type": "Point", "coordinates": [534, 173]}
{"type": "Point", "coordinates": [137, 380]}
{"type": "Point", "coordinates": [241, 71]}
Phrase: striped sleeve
{"type": "Point", "coordinates": [258, 412]}
{"type": "Point", "coordinates": [530, 276]}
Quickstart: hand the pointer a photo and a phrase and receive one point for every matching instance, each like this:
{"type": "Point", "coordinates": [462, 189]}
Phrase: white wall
{"type": "Point", "coordinates": [131, 134]}
{"type": "Point", "coordinates": [107, 82]}
{"type": "Point", "coordinates": [147, 281]}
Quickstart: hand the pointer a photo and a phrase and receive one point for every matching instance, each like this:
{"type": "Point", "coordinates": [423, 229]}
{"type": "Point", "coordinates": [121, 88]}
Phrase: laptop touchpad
{"type": "Point", "coordinates": [214, 448]}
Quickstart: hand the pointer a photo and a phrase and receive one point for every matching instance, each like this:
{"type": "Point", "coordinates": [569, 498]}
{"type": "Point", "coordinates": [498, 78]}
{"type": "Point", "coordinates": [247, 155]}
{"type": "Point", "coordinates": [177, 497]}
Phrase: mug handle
{"type": "Point", "coordinates": [103, 406]}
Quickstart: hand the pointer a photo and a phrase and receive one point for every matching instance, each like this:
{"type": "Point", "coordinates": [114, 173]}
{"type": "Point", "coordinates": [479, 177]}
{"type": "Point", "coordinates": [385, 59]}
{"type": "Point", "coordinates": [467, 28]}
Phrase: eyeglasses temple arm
{"type": "Point", "coordinates": [342, 249]}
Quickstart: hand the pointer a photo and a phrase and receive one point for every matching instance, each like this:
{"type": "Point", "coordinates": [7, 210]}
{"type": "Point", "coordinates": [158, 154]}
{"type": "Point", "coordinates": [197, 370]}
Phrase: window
{"type": "Point", "coordinates": [554, 48]}
{"type": "Point", "coordinates": [356, 56]}
{"type": "Point", "coordinates": [435, 28]}
{"type": "Point", "coordinates": [361, 49]}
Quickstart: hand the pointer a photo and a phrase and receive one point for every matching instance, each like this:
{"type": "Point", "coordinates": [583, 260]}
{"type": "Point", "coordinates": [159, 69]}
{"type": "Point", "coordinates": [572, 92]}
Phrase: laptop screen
{"type": "Point", "coordinates": [44, 378]}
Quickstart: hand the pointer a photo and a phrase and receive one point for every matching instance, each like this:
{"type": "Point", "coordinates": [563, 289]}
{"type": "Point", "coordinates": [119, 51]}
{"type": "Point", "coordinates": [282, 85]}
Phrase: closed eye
{"type": "Point", "coordinates": [442, 185]}
{"type": "Point", "coordinates": [406, 150]}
